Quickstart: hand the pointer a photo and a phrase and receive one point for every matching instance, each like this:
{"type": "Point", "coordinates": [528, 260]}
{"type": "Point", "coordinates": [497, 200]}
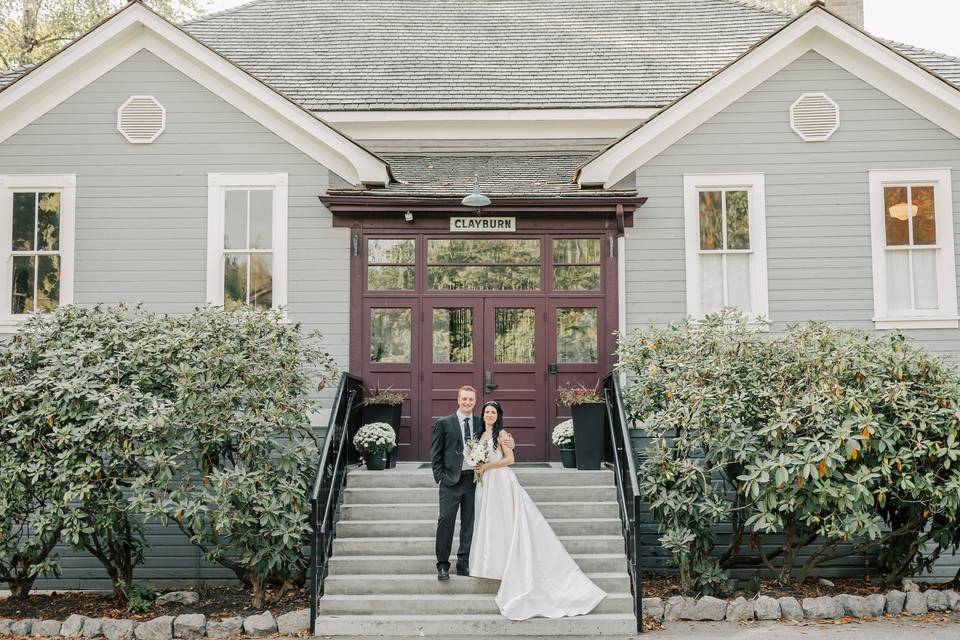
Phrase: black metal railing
{"type": "Point", "coordinates": [628, 490]}
{"type": "Point", "coordinates": [328, 487]}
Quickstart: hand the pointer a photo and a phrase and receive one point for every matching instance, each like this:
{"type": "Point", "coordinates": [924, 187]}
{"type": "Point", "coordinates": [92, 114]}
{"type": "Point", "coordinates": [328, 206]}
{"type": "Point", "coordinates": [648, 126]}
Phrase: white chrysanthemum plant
{"type": "Point", "coordinates": [376, 437]}
{"type": "Point", "coordinates": [563, 435]}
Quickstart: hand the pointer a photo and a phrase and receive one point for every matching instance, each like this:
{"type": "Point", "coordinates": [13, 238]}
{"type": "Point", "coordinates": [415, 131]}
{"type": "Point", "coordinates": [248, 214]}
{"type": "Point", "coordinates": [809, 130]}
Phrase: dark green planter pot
{"type": "Point", "coordinates": [376, 461]}
{"type": "Point", "coordinates": [569, 458]}
{"type": "Point", "coordinates": [389, 413]}
{"type": "Point", "coordinates": [588, 433]}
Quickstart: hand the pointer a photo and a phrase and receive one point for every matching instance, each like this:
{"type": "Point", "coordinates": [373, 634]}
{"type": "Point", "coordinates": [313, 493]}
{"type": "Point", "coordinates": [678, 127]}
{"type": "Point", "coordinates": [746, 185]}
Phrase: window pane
{"type": "Point", "coordinates": [897, 215]}
{"type": "Point", "coordinates": [576, 278]}
{"type": "Point", "coordinates": [261, 219]}
{"type": "Point", "coordinates": [711, 220]}
{"type": "Point", "coordinates": [235, 219]}
{"type": "Point", "coordinates": [925, 279]}
{"type": "Point", "coordinates": [390, 335]}
{"type": "Point", "coordinates": [579, 251]}
{"type": "Point", "coordinates": [577, 335]}
{"type": "Point", "coordinates": [453, 335]}
{"type": "Point", "coordinates": [390, 278]}
{"type": "Point", "coordinates": [483, 251]}
{"type": "Point", "coordinates": [514, 335]}
{"type": "Point", "coordinates": [898, 281]}
{"type": "Point", "coordinates": [490, 278]}
{"type": "Point", "coordinates": [24, 209]}
{"type": "Point", "coordinates": [711, 283]}
{"type": "Point", "coordinates": [391, 251]}
{"type": "Point", "coordinates": [738, 281]}
{"type": "Point", "coordinates": [261, 280]}
{"type": "Point", "coordinates": [234, 280]}
{"type": "Point", "coordinates": [48, 283]}
{"type": "Point", "coordinates": [738, 220]}
{"type": "Point", "coordinates": [924, 216]}
{"type": "Point", "coordinates": [23, 281]}
{"type": "Point", "coordinates": [48, 222]}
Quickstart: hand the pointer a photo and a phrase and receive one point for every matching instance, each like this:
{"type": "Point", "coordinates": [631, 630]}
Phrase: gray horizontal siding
{"type": "Point", "coordinates": [817, 203]}
{"type": "Point", "coordinates": [141, 234]}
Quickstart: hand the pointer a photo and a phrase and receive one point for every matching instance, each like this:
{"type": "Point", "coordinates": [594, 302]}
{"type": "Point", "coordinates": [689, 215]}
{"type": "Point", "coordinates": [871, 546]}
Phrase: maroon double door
{"type": "Point", "coordinates": [516, 316]}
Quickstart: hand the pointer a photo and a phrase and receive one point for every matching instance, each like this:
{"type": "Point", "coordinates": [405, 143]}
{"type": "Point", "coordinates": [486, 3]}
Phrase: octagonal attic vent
{"type": "Point", "coordinates": [814, 117]}
{"type": "Point", "coordinates": [141, 119]}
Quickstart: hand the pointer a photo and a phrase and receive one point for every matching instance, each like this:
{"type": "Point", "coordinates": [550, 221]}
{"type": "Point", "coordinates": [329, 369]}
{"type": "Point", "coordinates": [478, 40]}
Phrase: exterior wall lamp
{"type": "Point", "coordinates": [476, 200]}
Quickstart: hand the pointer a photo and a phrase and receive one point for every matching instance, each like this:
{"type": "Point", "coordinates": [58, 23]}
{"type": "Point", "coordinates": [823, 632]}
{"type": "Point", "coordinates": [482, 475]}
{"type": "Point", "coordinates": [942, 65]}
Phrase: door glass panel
{"type": "Point", "coordinates": [390, 335]}
{"type": "Point", "coordinates": [576, 334]}
{"type": "Point", "coordinates": [453, 335]}
{"type": "Point", "coordinates": [514, 334]}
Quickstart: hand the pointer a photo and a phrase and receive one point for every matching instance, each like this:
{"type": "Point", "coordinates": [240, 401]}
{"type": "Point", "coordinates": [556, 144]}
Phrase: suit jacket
{"type": "Point", "coordinates": [446, 448]}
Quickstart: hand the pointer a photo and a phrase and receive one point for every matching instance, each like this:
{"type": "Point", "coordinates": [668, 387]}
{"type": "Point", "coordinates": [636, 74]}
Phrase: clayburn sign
{"type": "Point", "coordinates": [476, 223]}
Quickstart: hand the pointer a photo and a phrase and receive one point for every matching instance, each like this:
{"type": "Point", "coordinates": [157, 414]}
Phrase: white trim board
{"type": "Point", "coordinates": [487, 124]}
{"type": "Point", "coordinates": [816, 30]}
{"type": "Point", "coordinates": [135, 28]}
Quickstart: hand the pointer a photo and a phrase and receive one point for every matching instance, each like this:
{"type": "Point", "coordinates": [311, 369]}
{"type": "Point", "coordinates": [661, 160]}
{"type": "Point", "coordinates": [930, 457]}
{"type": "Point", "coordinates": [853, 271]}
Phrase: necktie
{"type": "Point", "coordinates": [466, 430]}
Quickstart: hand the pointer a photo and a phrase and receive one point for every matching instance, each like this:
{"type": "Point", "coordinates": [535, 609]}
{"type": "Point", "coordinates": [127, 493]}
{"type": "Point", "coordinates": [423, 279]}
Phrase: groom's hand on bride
{"type": "Point", "coordinates": [508, 440]}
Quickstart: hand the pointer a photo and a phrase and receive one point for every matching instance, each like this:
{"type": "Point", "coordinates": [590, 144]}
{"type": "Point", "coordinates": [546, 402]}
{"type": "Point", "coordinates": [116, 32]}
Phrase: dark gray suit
{"type": "Point", "coordinates": [456, 488]}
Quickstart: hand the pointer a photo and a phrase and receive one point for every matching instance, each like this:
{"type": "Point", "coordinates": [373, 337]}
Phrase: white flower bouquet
{"type": "Point", "coordinates": [376, 437]}
{"type": "Point", "coordinates": [563, 435]}
{"type": "Point", "coordinates": [476, 453]}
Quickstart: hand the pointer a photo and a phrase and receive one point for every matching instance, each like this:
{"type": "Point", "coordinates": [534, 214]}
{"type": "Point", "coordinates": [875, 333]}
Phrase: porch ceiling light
{"type": "Point", "coordinates": [476, 199]}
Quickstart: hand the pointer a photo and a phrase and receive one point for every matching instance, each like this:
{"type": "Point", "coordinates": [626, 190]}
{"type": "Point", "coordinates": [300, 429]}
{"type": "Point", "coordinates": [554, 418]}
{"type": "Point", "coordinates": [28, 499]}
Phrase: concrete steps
{"type": "Point", "coordinates": [382, 578]}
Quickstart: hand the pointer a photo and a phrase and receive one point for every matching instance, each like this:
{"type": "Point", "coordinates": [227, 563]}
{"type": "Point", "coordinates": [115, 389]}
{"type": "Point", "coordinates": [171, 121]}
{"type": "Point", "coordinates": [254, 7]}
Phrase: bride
{"type": "Point", "coordinates": [512, 542]}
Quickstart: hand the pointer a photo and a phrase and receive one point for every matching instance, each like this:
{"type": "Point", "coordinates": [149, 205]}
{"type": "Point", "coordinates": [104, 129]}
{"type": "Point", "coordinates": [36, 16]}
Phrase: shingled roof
{"type": "Point", "coordinates": [475, 54]}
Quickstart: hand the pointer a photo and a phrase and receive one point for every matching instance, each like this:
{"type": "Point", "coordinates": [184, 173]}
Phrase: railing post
{"type": "Point", "coordinates": [638, 588]}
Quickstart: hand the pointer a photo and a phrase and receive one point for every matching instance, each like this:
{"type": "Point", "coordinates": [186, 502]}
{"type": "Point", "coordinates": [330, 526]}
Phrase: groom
{"type": "Point", "coordinates": [455, 479]}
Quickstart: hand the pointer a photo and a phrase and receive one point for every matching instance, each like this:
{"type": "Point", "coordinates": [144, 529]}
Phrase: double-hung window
{"type": "Point", "coordinates": [914, 267]}
{"type": "Point", "coordinates": [247, 240]}
{"type": "Point", "coordinates": [725, 237]}
{"type": "Point", "coordinates": [36, 245]}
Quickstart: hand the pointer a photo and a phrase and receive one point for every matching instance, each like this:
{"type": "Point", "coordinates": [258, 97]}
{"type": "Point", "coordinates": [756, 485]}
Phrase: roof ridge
{"type": "Point", "coordinates": [760, 6]}
{"type": "Point", "coordinates": [222, 12]}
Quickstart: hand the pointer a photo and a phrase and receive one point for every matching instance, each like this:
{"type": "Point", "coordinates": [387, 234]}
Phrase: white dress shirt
{"type": "Point", "coordinates": [460, 417]}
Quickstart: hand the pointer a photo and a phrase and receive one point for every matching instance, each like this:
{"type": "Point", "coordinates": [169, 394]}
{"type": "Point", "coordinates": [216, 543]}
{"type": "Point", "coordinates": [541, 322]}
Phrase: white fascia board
{"type": "Point", "coordinates": [487, 124]}
{"type": "Point", "coordinates": [136, 28]}
{"type": "Point", "coordinates": [818, 31]}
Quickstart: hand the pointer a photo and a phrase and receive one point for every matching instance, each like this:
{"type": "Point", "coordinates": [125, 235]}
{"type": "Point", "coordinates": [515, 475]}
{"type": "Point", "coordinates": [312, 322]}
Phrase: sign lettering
{"type": "Point", "coordinates": [478, 223]}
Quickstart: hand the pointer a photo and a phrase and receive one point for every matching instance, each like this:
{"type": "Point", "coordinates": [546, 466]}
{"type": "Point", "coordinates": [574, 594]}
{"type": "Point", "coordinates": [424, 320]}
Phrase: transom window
{"type": "Point", "coordinates": [36, 231]}
{"type": "Point", "coordinates": [726, 244]}
{"type": "Point", "coordinates": [483, 264]}
{"type": "Point", "coordinates": [247, 239]}
{"type": "Point", "coordinates": [391, 264]}
{"type": "Point", "coordinates": [576, 264]}
{"type": "Point", "coordinates": [914, 279]}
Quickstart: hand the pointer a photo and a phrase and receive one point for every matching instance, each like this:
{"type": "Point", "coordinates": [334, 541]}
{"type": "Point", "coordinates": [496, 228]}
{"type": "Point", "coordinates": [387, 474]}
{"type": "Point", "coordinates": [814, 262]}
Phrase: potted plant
{"type": "Point", "coordinates": [563, 438]}
{"type": "Point", "coordinates": [384, 405]}
{"type": "Point", "coordinates": [589, 416]}
{"type": "Point", "coordinates": [375, 441]}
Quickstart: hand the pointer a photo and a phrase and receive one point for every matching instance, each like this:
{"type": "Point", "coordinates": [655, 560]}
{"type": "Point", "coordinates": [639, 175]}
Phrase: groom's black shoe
{"type": "Point", "coordinates": [443, 574]}
{"type": "Point", "coordinates": [463, 571]}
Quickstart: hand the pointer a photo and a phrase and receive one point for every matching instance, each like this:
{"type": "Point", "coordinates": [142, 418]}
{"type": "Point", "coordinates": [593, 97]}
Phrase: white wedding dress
{"type": "Point", "coordinates": [513, 542]}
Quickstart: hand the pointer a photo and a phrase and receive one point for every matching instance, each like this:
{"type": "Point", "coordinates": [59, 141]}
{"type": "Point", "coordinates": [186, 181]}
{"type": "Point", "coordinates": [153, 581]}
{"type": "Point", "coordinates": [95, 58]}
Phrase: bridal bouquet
{"type": "Point", "coordinates": [476, 453]}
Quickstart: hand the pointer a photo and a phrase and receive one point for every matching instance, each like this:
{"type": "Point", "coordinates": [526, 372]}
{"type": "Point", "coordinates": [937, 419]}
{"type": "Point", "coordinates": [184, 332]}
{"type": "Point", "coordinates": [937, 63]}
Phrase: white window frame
{"type": "Point", "coordinates": [66, 185]}
{"type": "Point", "coordinates": [945, 317]}
{"type": "Point", "coordinates": [217, 185]}
{"type": "Point", "coordinates": [753, 184]}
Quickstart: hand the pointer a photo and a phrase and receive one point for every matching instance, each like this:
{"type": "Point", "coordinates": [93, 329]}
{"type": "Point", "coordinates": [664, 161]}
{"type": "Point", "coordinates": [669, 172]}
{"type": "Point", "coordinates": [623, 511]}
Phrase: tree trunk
{"type": "Point", "coordinates": [31, 8]}
{"type": "Point", "coordinates": [20, 587]}
{"type": "Point", "coordinates": [258, 593]}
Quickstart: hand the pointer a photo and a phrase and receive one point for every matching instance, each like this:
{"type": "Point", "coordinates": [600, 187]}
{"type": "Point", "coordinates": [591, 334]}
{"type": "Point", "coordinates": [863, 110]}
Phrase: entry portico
{"type": "Point", "coordinates": [516, 299]}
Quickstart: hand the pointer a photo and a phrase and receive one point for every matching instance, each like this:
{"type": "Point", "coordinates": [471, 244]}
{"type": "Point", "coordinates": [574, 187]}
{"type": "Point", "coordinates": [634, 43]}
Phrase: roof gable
{"type": "Point", "coordinates": [134, 28]}
{"type": "Point", "coordinates": [815, 30]}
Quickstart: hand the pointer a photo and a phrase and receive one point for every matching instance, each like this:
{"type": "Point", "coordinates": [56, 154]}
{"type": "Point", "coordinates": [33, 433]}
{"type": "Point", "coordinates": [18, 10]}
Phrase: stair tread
{"type": "Point", "coordinates": [432, 596]}
{"type": "Point", "coordinates": [598, 536]}
{"type": "Point", "coordinates": [469, 616]}
{"type": "Point", "coordinates": [433, 576]}
{"type": "Point", "coordinates": [552, 486]}
{"type": "Point", "coordinates": [419, 557]}
{"type": "Point", "coordinates": [434, 521]}
{"type": "Point", "coordinates": [434, 504]}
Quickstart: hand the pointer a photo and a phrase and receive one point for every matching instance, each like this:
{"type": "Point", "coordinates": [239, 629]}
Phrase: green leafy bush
{"type": "Point", "coordinates": [240, 455]}
{"type": "Point", "coordinates": [840, 441]}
